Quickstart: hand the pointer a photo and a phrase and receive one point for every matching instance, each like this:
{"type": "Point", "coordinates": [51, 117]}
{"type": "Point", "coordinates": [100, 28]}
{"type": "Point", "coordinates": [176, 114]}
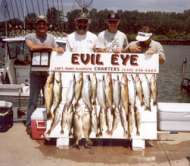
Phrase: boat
{"type": "Point", "coordinates": [15, 70]}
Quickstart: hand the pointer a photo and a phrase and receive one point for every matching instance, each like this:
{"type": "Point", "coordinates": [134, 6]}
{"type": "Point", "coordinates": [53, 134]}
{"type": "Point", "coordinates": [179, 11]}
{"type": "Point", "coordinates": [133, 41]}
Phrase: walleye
{"type": "Point", "coordinates": [137, 115]}
{"type": "Point", "coordinates": [146, 91]}
{"type": "Point", "coordinates": [86, 120]}
{"type": "Point", "coordinates": [139, 90]}
{"type": "Point", "coordinates": [109, 101]}
{"type": "Point", "coordinates": [132, 97]}
{"type": "Point", "coordinates": [116, 100]}
{"type": "Point", "coordinates": [94, 88]}
{"type": "Point", "coordinates": [48, 93]}
{"type": "Point", "coordinates": [57, 90]}
{"type": "Point", "coordinates": [124, 102]}
{"type": "Point", "coordinates": [153, 88]}
{"type": "Point", "coordinates": [77, 125]}
{"type": "Point", "coordinates": [86, 92]}
{"type": "Point", "coordinates": [78, 88]}
{"type": "Point", "coordinates": [69, 99]}
{"type": "Point", "coordinates": [101, 97]}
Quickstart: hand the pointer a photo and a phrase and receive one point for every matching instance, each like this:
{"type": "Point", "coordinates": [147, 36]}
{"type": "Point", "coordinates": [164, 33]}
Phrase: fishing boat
{"type": "Point", "coordinates": [15, 70]}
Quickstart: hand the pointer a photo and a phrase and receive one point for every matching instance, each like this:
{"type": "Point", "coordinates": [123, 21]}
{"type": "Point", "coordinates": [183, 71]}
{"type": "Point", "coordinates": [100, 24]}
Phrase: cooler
{"type": "Point", "coordinates": [38, 123]}
{"type": "Point", "coordinates": [6, 116]}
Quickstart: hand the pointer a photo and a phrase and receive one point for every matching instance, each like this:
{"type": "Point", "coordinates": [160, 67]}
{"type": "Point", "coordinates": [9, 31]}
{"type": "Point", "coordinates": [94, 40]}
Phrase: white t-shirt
{"type": "Point", "coordinates": [81, 43]}
{"type": "Point", "coordinates": [111, 41]}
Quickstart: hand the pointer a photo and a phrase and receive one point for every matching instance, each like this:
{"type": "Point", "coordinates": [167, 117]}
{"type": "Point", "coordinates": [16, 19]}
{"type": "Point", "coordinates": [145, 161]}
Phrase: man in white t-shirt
{"type": "Point", "coordinates": [111, 39]}
{"type": "Point", "coordinates": [81, 40]}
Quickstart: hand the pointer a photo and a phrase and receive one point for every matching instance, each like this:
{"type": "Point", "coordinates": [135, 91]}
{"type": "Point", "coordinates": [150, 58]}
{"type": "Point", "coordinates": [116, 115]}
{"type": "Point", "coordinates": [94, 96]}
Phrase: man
{"type": "Point", "coordinates": [111, 39]}
{"type": "Point", "coordinates": [145, 44]}
{"type": "Point", "coordinates": [39, 41]}
{"type": "Point", "coordinates": [81, 41]}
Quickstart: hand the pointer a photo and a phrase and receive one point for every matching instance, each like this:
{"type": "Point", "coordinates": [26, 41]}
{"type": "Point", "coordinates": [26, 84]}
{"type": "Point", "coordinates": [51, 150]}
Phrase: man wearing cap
{"type": "Point", "coordinates": [145, 44]}
{"type": "Point", "coordinates": [81, 40]}
{"type": "Point", "coordinates": [111, 39]}
{"type": "Point", "coordinates": [39, 41]}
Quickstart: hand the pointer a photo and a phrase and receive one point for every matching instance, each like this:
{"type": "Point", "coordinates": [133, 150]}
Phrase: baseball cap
{"type": "Point", "coordinates": [41, 18]}
{"type": "Point", "coordinates": [143, 36]}
{"type": "Point", "coordinates": [113, 16]}
{"type": "Point", "coordinates": [82, 16]}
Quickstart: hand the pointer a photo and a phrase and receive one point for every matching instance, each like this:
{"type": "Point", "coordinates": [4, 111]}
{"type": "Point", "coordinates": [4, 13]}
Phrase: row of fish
{"type": "Point", "coordinates": [99, 102]}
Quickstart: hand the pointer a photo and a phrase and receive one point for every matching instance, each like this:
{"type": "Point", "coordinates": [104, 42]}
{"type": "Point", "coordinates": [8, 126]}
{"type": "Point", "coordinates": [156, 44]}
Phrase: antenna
{"type": "Point", "coordinates": [84, 4]}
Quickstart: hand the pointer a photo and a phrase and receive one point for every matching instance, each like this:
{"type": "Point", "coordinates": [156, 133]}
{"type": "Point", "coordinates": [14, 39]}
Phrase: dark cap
{"type": "Point", "coordinates": [82, 16]}
{"type": "Point", "coordinates": [113, 16]}
{"type": "Point", "coordinates": [41, 18]}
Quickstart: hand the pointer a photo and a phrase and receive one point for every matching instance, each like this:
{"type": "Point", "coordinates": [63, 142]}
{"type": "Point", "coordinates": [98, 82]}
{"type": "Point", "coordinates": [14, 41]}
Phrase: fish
{"type": "Point", "coordinates": [124, 102]}
{"type": "Point", "coordinates": [86, 92]}
{"type": "Point", "coordinates": [132, 98]}
{"type": "Point", "coordinates": [139, 90]}
{"type": "Point", "coordinates": [69, 99]}
{"type": "Point", "coordinates": [78, 89]}
{"type": "Point", "coordinates": [101, 97]}
{"type": "Point", "coordinates": [70, 93]}
{"type": "Point", "coordinates": [86, 123]}
{"type": "Point", "coordinates": [109, 101]}
{"type": "Point", "coordinates": [137, 115]}
{"type": "Point", "coordinates": [109, 90]}
{"type": "Point", "coordinates": [67, 119]}
{"type": "Point", "coordinates": [94, 120]}
{"type": "Point", "coordinates": [146, 91]}
{"type": "Point", "coordinates": [77, 126]}
{"type": "Point", "coordinates": [154, 89]}
{"type": "Point", "coordinates": [116, 100]}
{"type": "Point", "coordinates": [94, 88]}
{"type": "Point", "coordinates": [48, 93]}
{"type": "Point", "coordinates": [57, 91]}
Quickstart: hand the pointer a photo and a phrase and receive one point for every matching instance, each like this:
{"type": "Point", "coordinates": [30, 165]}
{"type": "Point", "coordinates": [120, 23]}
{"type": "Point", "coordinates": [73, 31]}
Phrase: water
{"type": "Point", "coordinates": [170, 77]}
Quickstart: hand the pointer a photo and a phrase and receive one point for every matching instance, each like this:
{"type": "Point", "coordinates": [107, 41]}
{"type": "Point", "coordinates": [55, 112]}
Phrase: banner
{"type": "Point", "coordinates": [105, 62]}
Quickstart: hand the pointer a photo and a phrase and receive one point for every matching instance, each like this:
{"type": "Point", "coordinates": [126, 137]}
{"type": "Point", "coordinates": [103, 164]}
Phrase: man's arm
{"type": "Point", "coordinates": [36, 47]}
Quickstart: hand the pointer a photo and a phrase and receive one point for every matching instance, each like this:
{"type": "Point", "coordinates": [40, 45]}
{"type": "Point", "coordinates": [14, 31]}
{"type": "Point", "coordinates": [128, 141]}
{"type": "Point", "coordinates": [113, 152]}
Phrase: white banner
{"type": "Point", "coordinates": [105, 62]}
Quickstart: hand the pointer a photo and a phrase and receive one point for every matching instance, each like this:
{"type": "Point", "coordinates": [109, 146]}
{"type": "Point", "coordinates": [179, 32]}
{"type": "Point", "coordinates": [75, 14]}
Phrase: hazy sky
{"type": "Point", "coordinates": [16, 7]}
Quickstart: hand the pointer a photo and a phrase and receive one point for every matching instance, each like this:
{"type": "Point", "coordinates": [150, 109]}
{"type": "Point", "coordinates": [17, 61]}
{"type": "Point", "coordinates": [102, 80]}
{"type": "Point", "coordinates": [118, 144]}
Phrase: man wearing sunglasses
{"type": "Point", "coordinates": [111, 39]}
{"type": "Point", "coordinates": [145, 44]}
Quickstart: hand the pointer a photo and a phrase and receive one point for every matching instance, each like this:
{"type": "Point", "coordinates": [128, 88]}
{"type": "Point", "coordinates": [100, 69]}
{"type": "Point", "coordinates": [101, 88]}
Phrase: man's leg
{"type": "Point", "coordinates": [35, 87]}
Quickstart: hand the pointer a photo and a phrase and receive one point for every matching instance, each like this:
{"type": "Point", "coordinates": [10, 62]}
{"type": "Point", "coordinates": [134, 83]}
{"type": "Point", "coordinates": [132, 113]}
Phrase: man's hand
{"type": "Point", "coordinates": [150, 51]}
{"type": "Point", "coordinates": [117, 50]}
{"type": "Point", "coordinates": [135, 49]}
{"type": "Point", "coordinates": [59, 50]}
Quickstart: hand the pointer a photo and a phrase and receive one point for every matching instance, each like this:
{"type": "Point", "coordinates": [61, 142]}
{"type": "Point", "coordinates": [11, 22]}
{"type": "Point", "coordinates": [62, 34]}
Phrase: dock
{"type": "Point", "coordinates": [18, 149]}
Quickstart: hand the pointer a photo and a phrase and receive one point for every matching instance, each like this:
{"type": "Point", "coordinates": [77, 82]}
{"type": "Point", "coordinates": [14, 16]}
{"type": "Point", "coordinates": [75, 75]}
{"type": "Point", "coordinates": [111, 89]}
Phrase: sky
{"type": "Point", "coordinates": [18, 8]}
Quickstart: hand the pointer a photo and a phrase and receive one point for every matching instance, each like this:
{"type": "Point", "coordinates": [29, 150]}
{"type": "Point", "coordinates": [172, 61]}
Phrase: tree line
{"type": "Point", "coordinates": [164, 25]}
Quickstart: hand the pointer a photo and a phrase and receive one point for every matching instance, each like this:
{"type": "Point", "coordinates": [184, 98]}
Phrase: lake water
{"type": "Point", "coordinates": [170, 77]}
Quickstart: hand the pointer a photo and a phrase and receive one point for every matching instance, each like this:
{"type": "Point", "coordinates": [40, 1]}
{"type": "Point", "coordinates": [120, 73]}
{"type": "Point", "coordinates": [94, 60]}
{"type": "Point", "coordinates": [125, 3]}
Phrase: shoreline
{"type": "Point", "coordinates": [175, 42]}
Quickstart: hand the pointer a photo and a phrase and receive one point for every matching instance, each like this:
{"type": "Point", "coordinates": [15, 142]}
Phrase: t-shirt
{"type": "Point", "coordinates": [48, 40]}
{"type": "Point", "coordinates": [153, 44]}
{"type": "Point", "coordinates": [111, 41]}
{"type": "Point", "coordinates": [81, 43]}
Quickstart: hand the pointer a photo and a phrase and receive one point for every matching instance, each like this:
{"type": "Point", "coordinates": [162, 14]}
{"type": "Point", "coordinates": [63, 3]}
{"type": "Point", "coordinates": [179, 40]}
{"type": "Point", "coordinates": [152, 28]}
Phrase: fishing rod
{"type": "Point", "coordinates": [27, 8]}
{"type": "Point", "coordinates": [33, 6]}
{"type": "Point", "coordinates": [43, 7]}
{"type": "Point", "coordinates": [22, 8]}
{"type": "Point", "coordinates": [38, 6]}
{"type": "Point", "coordinates": [16, 4]}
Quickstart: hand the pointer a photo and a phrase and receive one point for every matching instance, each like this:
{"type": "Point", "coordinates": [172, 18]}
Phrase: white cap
{"type": "Point", "coordinates": [143, 36]}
